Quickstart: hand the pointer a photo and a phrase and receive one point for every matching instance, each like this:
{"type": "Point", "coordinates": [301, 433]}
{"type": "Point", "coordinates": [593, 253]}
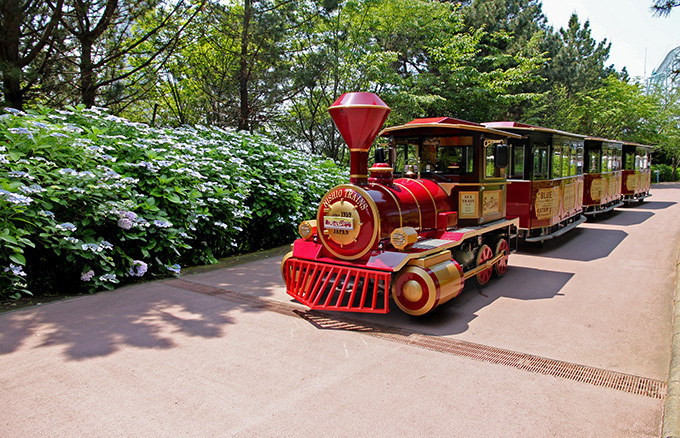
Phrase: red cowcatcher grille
{"type": "Point", "coordinates": [338, 288]}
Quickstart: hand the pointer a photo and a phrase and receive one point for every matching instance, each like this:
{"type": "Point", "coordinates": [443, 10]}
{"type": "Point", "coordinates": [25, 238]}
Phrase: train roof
{"type": "Point", "coordinates": [442, 126]}
{"type": "Point", "coordinates": [517, 126]}
{"type": "Point", "coordinates": [605, 140]}
{"type": "Point", "coordinates": [637, 145]}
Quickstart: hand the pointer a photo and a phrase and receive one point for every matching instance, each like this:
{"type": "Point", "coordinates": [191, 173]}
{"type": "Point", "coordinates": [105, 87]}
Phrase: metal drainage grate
{"type": "Point", "coordinates": [535, 364]}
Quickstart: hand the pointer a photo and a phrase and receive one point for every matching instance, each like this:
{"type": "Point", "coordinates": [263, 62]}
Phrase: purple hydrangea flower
{"type": "Point", "coordinates": [138, 268]}
{"type": "Point", "coordinates": [125, 223]}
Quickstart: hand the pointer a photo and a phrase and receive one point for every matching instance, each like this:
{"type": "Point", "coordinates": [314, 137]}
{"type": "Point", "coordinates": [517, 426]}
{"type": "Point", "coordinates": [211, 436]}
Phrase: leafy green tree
{"type": "Point", "coordinates": [342, 53]}
{"type": "Point", "coordinates": [417, 55]}
{"type": "Point", "coordinates": [668, 118]}
{"type": "Point", "coordinates": [107, 34]}
{"type": "Point", "coordinates": [237, 61]}
{"type": "Point", "coordinates": [26, 45]}
{"type": "Point", "coordinates": [515, 30]}
{"type": "Point", "coordinates": [579, 60]}
{"type": "Point", "coordinates": [618, 109]}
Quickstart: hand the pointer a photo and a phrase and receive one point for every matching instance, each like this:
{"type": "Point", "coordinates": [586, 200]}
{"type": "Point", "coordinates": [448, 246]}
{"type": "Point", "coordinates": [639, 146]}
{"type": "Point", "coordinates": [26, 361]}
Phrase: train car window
{"type": "Point", "coordinates": [557, 161]}
{"type": "Point", "coordinates": [644, 159]}
{"type": "Point", "coordinates": [566, 160]}
{"type": "Point", "coordinates": [541, 162]}
{"type": "Point", "coordinates": [517, 165]}
{"type": "Point", "coordinates": [573, 159]}
{"type": "Point", "coordinates": [631, 161]}
{"type": "Point", "coordinates": [606, 160]}
{"type": "Point", "coordinates": [616, 159]}
{"type": "Point", "coordinates": [579, 160]}
{"type": "Point", "coordinates": [594, 164]}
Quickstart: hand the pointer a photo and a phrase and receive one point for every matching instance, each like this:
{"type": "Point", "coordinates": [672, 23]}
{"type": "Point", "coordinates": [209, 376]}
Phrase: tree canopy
{"type": "Point", "coordinates": [276, 65]}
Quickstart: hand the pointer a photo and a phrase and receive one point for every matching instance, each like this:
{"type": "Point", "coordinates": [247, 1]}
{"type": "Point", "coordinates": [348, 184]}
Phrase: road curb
{"type": "Point", "coordinates": [671, 418]}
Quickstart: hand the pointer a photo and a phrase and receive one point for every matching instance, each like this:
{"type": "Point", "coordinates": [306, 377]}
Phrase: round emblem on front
{"type": "Point", "coordinates": [343, 223]}
{"type": "Point", "coordinates": [347, 222]}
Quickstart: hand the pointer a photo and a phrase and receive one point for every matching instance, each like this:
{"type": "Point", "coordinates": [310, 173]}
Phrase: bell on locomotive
{"type": "Point", "coordinates": [414, 239]}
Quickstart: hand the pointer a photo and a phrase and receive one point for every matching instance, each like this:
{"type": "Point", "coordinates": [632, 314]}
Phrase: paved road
{"type": "Point", "coordinates": [573, 341]}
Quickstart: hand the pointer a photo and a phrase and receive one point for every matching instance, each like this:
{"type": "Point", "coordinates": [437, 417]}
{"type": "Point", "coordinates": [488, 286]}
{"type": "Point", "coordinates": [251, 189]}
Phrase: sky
{"type": "Point", "coordinates": [639, 40]}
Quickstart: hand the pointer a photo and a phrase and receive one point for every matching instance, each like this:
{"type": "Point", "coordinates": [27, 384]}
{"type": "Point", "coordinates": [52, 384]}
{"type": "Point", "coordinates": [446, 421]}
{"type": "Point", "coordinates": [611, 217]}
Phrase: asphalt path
{"type": "Point", "coordinates": [223, 351]}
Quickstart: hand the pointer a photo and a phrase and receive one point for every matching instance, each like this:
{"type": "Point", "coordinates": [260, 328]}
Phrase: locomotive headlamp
{"type": "Point", "coordinates": [307, 229]}
{"type": "Point", "coordinates": [402, 238]}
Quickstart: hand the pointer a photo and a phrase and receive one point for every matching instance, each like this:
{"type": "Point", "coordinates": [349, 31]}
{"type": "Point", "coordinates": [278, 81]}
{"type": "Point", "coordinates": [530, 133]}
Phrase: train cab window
{"type": "Point", "coordinates": [406, 160]}
{"type": "Point", "coordinates": [541, 159]}
{"type": "Point", "coordinates": [517, 165]}
{"type": "Point", "coordinates": [428, 156]}
{"type": "Point", "coordinates": [454, 160]}
{"type": "Point", "coordinates": [491, 171]}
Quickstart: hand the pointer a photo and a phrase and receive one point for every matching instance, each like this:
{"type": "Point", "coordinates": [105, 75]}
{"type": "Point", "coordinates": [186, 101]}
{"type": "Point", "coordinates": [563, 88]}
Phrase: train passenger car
{"type": "Point", "coordinates": [417, 238]}
{"type": "Point", "coordinates": [636, 178]}
{"type": "Point", "coordinates": [602, 170]}
{"type": "Point", "coordinates": [546, 175]}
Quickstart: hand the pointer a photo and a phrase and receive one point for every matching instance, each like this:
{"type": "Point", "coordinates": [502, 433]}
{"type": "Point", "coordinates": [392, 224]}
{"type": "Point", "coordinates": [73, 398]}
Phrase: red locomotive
{"type": "Point", "coordinates": [418, 238]}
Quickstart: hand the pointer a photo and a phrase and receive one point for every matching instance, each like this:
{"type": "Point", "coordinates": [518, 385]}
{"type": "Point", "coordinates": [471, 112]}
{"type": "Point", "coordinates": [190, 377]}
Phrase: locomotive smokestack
{"type": "Point", "coordinates": [359, 117]}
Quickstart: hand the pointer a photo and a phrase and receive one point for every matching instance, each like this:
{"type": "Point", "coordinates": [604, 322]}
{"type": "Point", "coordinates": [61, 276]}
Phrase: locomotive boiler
{"type": "Point", "coordinates": [416, 238]}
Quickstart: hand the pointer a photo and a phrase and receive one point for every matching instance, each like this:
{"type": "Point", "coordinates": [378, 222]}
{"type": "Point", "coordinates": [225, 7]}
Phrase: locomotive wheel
{"type": "Point", "coordinates": [501, 266]}
{"type": "Point", "coordinates": [483, 255]}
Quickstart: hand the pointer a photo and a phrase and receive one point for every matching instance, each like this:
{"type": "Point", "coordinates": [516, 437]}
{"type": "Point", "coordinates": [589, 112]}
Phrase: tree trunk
{"type": "Point", "coordinates": [10, 32]}
{"type": "Point", "coordinates": [87, 89]}
{"type": "Point", "coordinates": [244, 116]}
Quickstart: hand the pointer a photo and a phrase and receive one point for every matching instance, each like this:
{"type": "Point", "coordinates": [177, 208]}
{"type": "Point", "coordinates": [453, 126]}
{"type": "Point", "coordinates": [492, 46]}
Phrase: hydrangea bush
{"type": "Point", "coordinates": [89, 200]}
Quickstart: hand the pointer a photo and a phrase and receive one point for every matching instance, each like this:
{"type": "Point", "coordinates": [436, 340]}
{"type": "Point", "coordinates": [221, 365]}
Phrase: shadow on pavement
{"type": "Point", "coordinates": [653, 205]}
{"type": "Point", "coordinates": [625, 217]}
{"type": "Point", "coordinates": [144, 316]}
{"type": "Point", "coordinates": [580, 244]}
{"type": "Point", "coordinates": [455, 316]}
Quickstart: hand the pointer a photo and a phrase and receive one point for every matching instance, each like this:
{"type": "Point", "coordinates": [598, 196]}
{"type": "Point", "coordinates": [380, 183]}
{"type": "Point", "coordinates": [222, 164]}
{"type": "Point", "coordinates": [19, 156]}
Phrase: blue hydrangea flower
{"type": "Point", "coordinates": [109, 277]}
{"type": "Point", "coordinates": [162, 224]}
{"type": "Point", "coordinates": [16, 270]}
{"type": "Point", "coordinates": [67, 226]}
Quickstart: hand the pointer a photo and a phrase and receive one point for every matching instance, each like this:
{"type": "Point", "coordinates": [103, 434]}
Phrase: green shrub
{"type": "Point", "coordinates": [89, 200]}
{"type": "Point", "coordinates": [665, 172]}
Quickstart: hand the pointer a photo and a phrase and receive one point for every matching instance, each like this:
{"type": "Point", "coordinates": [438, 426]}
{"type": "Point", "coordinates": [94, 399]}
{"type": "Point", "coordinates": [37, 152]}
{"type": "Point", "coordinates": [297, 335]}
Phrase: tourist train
{"type": "Point", "coordinates": [464, 195]}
